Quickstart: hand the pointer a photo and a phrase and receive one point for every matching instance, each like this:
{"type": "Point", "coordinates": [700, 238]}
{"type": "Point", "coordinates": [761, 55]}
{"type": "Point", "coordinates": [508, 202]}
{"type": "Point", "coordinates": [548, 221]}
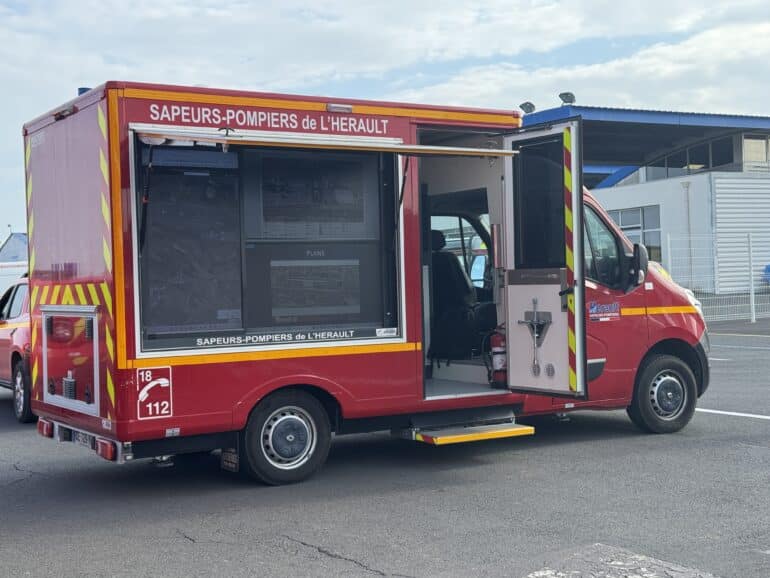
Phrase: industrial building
{"type": "Point", "coordinates": [691, 187]}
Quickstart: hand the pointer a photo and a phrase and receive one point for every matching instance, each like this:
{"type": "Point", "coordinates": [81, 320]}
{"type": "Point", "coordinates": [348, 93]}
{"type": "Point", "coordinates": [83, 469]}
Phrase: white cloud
{"type": "Point", "coordinates": [49, 48]}
{"type": "Point", "coordinates": [724, 69]}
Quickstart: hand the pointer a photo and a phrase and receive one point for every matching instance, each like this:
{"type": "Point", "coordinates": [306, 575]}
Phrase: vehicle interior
{"type": "Point", "coordinates": [461, 198]}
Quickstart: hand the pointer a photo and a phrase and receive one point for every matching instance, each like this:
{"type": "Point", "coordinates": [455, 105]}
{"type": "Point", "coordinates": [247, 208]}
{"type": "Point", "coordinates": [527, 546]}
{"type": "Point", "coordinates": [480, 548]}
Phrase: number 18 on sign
{"type": "Point", "coordinates": [154, 393]}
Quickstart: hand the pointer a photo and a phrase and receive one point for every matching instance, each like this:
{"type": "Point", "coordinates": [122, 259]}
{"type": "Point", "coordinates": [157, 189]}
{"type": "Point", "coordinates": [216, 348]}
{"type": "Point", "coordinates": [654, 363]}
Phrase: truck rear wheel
{"type": "Point", "coordinates": [665, 395]}
{"type": "Point", "coordinates": [22, 408]}
{"type": "Point", "coordinates": [286, 439]}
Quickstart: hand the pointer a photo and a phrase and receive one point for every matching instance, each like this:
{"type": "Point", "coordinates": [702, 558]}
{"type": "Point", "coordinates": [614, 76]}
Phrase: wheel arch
{"type": "Point", "coordinates": [682, 350]}
{"type": "Point", "coordinates": [321, 391]}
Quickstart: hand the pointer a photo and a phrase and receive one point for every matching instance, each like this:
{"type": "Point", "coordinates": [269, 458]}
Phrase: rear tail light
{"type": "Point", "coordinates": [45, 428]}
{"type": "Point", "coordinates": [106, 449]}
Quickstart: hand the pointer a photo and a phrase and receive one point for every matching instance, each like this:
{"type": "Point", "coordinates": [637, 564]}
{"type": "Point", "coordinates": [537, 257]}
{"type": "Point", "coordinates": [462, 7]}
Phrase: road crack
{"type": "Point", "coordinates": [335, 556]}
{"type": "Point", "coordinates": [185, 536]}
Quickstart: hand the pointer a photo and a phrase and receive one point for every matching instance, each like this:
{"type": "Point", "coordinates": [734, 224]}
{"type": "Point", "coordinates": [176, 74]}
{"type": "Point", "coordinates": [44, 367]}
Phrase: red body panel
{"type": "Point", "coordinates": [14, 339]}
{"type": "Point", "coordinates": [82, 209]}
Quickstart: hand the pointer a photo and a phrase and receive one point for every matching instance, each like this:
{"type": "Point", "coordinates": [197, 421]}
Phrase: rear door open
{"type": "Point", "coordinates": [542, 274]}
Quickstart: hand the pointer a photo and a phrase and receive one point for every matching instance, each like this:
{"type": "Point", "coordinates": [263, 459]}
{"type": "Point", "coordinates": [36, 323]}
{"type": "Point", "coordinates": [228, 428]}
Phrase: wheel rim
{"type": "Point", "coordinates": [668, 395]}
{"type": "Point", "coordinates": [18, 394]}
{"type": "Point", "coordinates": [288, 438]}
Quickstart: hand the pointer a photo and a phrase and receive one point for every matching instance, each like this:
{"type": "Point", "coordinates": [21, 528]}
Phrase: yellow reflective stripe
{"type": "Point", "coordinates": [33, 297]}
{"type": "Point", "coordinates": [568, 218]}
{"type": "Point", "coordinates": [102, 121]}
{"type": "Point", "coordinates": [568, 178]}
{"type": "Point", "coordinates": [274, 354]}
{"type": "Point", "coordinates": [28, 153]}
{"type": "Point", "coordinates": [104, 167]}
{"type": "Point", "coordinates": [570, 258]}
{"type": "Point", "coordinates": [31, 225]}
{"type": "Point", "coordinates": [44, 295]}
{"type": "Point", "coordinates": [671, 309]}
{"type": "Point", "coordinates": [93, 293]}
{"type": "Point", "coordinates": [568, 139]}
{"type": "Point", "coordinates": [81, 294]}
{"type": "Point", "coordinates": [55, 295]}
{"type": "Point", "coordinates": [109, 343]}
{"type": "Point", "coordinates": [29, 187]}
{"type": "Point", "coordinates": [571, 340]}
{"type": "Point", "coordinates": [105, 211]}
{"type": "Point", "coordinates": [34, 372]}
{"type": "Point", "coordinates": [32, 261]}
{"type": "Point", "coordinates": [572, 380]}
{"type": "Point", "coordinates": [110, 388]}
{"type": "Point", "coordinates": [13, 325]}
{"type": "Point", "coordinates": [107, 255]}
{"type": "Point", "coordinates": [107, 297]}
{"type": "Point", "coordinates": [67, 298]}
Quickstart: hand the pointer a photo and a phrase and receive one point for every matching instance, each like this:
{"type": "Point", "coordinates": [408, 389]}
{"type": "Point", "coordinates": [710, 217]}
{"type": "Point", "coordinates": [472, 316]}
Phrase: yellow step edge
{"type": "Point", "coordinates": [473, 434]}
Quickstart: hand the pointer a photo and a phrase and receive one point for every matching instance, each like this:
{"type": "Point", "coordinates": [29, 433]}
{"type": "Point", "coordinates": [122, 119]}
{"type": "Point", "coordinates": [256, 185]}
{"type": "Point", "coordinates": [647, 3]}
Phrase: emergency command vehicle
{"type": "Point", "coordinates": [250, 272]}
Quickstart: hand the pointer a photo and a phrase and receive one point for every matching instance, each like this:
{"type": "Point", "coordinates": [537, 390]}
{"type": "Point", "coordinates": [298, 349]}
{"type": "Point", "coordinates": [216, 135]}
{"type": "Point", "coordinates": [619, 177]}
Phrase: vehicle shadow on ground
{"type": "Point", "coordinates": [8, 422]}
{"type": "Point", "coordinates": [351, 460]}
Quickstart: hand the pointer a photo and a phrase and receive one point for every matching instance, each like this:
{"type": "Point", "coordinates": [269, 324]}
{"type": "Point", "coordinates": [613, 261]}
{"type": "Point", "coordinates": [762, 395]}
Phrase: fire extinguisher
{"type": "Point", "coordinates": [499, 378]}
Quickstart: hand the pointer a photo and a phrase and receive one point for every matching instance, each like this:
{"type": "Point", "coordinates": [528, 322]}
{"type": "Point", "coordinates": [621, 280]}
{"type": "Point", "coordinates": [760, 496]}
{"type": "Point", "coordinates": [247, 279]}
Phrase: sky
{"type": "Point", "coordinates": [707, 56]}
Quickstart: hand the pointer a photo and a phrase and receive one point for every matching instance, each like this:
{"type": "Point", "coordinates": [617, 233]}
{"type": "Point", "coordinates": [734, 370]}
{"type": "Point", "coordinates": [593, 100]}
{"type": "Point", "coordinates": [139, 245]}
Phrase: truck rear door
{"type": "Point", "coordinates": [542, 268]}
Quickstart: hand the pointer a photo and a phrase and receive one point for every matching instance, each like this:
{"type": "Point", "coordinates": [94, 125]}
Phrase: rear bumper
{"type": "Point", "coordinates": [702, 350]}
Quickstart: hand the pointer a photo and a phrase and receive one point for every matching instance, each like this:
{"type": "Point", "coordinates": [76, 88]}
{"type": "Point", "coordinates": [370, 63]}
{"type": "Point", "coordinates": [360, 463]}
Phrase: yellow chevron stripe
{"type": "Point", "coordinates": [568, 218]}
{"type": "Point", "coordinates": [34, 372]}
{"type": "Point", "coordinates": [34, 335]}
{"type": "Point", "coordinates": [571, 303]}
{"type": "Point", "coordinates": [33, 297]}
{"type": "Point", "coordinates": [568, 139]}
{"type": "Point", "coordinates": [110, 389]}
{"type": "Point", "coordinates": [571, 340]}
{"type": "Point", "coordinates": [109, 343]}
{"type": "Point", "coordinates": [31, 225]}
{"type": "Point", "coordinates": [29, 187]}
{"type": "Point", "coordinates": [105, 211]}
{"type": "Point", "coordinates": [104, 167]}
{"type": "Point", "coordinates": [28, 153]}
{"type": "Point", "coordinates": [572, 379]}
{"type": "Point", "coordinates": [44, 295]}
{"type": "Point", "coordinates": [107, 255]}
{"type": "Point", "coordinates": [32, 261]}
{"type": "Point", "coordinates": [570, 258]}
{"type": "Point", "coordinates": [102, 121]}
{"type": "Point", "coordinates": [94, 294]}
{"type": "Point", "coordinates": [67, 298]}
{"type": "Point", "coordinates": [55, 295]}
{"type": "Point", "coordinates": [107, 297]}
{"type": "Point", "coordinates": [81, 294]}
{"type": "Point", "coordinates": [568, 178]}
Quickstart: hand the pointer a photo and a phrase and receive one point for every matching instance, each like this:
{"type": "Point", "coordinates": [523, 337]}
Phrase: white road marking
{"type": "Point", "coordinates": [733, 413]}
{"type": "Point", "coordinates": [740, 347]}
{"type": "Point", "coordinates": [739, 334]}
{"type": "Point", "coordinates": [719, 359]}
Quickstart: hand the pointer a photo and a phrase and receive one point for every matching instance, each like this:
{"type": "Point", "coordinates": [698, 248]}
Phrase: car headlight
{"type": "Point", "coordinates": [694, 302]}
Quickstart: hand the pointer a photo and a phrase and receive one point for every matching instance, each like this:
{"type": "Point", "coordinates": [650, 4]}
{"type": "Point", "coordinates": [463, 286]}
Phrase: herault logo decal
{"type": "Point", "coordinates": [603, 311]}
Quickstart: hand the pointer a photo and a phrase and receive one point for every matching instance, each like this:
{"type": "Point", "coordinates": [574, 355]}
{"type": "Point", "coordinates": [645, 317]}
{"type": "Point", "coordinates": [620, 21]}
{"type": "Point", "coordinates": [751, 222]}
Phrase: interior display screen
{"type": "Point", "coordinates": [311, 291]}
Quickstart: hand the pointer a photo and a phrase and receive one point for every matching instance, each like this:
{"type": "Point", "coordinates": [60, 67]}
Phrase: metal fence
{"type": "Point", "coordinates": [728, 272]}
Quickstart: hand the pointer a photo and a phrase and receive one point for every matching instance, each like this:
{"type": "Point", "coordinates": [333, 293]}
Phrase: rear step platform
{"type": "Point", "coordinates": [459, 435]}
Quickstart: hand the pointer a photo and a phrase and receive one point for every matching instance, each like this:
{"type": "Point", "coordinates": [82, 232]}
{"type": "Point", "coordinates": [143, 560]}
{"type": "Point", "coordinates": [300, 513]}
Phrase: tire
{"type": "Point", "coordinates": [286, 439]}
{"type": "Point", "coordinates": [21, 394]}
{"type": "Point", "coordinates": [664, 396]}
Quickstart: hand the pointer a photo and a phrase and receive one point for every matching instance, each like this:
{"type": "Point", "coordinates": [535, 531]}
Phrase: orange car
{"type": "Point", "coordinates": [15, 347]}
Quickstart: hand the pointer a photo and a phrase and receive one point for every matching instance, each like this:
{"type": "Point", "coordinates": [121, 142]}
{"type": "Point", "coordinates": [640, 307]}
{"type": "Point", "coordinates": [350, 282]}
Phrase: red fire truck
{"type": "Point", "coordinates": [252, 273]}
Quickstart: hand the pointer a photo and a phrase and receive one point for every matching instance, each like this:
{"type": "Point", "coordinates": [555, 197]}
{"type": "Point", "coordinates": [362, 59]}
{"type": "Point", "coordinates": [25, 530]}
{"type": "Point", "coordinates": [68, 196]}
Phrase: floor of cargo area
{"type": "Point", "coordinates": [447, 388]}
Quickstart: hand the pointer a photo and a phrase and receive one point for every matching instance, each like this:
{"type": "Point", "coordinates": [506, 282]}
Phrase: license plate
{"type": "Point", "coordinates": [83, 439]}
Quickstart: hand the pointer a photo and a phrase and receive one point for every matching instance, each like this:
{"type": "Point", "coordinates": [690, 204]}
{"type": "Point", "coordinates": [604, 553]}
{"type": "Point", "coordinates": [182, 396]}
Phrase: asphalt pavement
{"type": "Point", "coordinates": [587, 497]}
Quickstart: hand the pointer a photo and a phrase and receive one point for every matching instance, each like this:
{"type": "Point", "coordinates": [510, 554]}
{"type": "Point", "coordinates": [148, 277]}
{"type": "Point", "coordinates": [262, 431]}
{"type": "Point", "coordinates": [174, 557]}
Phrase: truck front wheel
{"type": "Point", "coordinates": [286, 439]}
{"type": "Point", "coordinates": [664, 396]}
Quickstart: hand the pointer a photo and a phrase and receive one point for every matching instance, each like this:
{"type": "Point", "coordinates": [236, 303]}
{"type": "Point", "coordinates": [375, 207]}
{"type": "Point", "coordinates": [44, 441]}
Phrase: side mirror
{"type": "Point", "coordinates": [639, 264]}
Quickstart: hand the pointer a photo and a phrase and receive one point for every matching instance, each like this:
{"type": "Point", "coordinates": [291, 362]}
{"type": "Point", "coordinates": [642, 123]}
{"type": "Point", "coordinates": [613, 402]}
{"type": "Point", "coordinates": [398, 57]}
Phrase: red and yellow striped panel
{"type": "Point", "coordinates": [569, 258]}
